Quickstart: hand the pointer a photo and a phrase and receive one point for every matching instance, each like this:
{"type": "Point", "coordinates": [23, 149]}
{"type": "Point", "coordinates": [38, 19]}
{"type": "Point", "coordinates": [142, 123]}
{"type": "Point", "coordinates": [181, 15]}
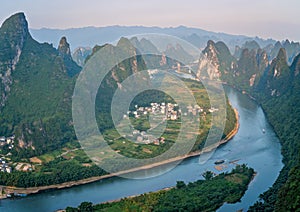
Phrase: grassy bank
{"type": "Point", "coordinates": [202, 195]}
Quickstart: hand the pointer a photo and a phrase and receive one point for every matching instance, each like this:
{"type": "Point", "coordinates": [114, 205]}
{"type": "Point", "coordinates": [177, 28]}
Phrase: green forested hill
{"type": "Point", "coordinates": [37, 86]}
{"type": "Point", "coordinates": [283, 112]}
{"type": "Point", "coordinates": [276, 86]}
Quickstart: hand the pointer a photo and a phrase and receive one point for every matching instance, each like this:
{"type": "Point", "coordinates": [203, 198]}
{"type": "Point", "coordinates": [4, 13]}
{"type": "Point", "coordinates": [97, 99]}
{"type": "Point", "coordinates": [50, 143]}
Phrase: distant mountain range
{"type": "Point", "coordinates": [91, 36]}
{"type": "Point", "coordinates": [84, 39]}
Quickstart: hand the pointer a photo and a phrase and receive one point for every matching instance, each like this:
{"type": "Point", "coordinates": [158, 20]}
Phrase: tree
{"type": "Point", "coordinates": [86, 207]}
{"type": "Point", "coordinates": [70, 209]}
{"type": "Point", "coordinates": [208, 175]}
{"type": "Point", "coordinates": [180, 184]}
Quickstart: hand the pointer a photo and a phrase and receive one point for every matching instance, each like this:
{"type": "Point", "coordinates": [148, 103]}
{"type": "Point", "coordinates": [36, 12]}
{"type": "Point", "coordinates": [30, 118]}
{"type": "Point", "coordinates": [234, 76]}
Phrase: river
{"type": "Point", "coordinates": [260, 150]}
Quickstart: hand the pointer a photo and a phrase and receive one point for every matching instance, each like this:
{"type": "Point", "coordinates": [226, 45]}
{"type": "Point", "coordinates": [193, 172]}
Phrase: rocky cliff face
{"type": "Point", "coordinates": [251, 66]}
{"type": "Point", "coordinates": [250, 45]}
{"type": "Point", "coordinates": [252, 63]}
{"type": "Point", "coordinates": [253, 70]}
{"type": "Point", "coordinates": [279, 66]}
{"type": "Point", "coordinates": [35, 87]}
{"type": "Point", "coordinates": [80, 54]}
{"type": "Point", "coordinates": [13, 35]}
{"type": "Point", "coordinates": [220, 57]}
{"type": "Point", "coordinates": [211, 53]}
{"type": "Point", "coordinates": [64, 48]}
{"type": "Point", "coordinates": [292, 50]}
{"type": "Point", "coordinates": [296, 65]}
{"type": "Point", "coordinates": [65, 53]}
{"type": "Point", "coordinates": [278, 76]}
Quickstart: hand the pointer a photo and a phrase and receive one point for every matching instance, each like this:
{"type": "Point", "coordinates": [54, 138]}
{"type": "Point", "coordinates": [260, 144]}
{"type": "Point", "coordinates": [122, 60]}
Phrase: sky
{"type": "Point", "coordinates": [276, 19]}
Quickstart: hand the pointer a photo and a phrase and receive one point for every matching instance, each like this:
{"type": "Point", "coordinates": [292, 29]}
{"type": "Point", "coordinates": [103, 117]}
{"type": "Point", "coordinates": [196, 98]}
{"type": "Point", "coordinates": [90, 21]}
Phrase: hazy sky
{"type": "Point", "coordinates": [279, 19]}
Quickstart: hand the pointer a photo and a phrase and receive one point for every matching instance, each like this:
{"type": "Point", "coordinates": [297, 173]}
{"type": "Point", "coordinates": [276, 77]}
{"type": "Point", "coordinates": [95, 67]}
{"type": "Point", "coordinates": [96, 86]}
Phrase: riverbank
{"type": "Point", "coordinates": [232, 185]}
{"type": "Point", "coordinates": [33, 190]}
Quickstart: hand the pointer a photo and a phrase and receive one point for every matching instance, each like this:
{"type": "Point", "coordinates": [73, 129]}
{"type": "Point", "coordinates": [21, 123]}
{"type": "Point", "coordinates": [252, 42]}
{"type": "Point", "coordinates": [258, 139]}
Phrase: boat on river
{"type": "Point", "coordinates": [219, 162]}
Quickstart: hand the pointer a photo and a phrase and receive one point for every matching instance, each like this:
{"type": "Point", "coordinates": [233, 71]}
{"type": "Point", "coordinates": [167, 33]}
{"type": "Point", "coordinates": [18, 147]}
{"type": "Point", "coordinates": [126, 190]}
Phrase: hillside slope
{"type": "Point", "coordinates": [275, 84]}
{"type": "Point", "coordinates": [37, 84]}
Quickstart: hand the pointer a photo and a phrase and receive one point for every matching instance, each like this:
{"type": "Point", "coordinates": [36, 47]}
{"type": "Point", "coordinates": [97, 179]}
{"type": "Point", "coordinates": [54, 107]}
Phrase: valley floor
{"type": "Point", "coordinates": [33, 190]}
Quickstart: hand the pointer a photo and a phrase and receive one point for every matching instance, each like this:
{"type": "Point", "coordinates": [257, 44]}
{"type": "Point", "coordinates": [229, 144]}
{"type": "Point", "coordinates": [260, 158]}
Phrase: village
{"type": "Point", "coordinates": [6, 164]}
{"type": "Point", "coordinates": [169, 110]}
{"type": "Point", "coordinates": [7, 142]}
{"type": "Point", "coordinates": [4, 167]}
{"type": "Point", "coordinates": [166, 112]}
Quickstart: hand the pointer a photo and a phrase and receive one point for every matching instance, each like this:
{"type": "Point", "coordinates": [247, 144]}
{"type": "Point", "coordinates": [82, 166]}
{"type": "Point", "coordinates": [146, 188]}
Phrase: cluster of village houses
{"type": "Point", "coordinates": [144, 138]}
{"type": "Point", "coordinates": [170, 111]}
{"type": "Point", "coordinates": [5, 165]}
{"type": "Point", "coordinates": [6, 141]}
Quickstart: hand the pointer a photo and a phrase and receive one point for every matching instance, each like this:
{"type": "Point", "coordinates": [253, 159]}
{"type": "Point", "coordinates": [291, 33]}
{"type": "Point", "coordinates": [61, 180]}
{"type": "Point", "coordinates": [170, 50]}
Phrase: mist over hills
{"type": "Point", "coordinates": [82, 40]}
{"type": "Point", "coordinates": [90, 36]}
